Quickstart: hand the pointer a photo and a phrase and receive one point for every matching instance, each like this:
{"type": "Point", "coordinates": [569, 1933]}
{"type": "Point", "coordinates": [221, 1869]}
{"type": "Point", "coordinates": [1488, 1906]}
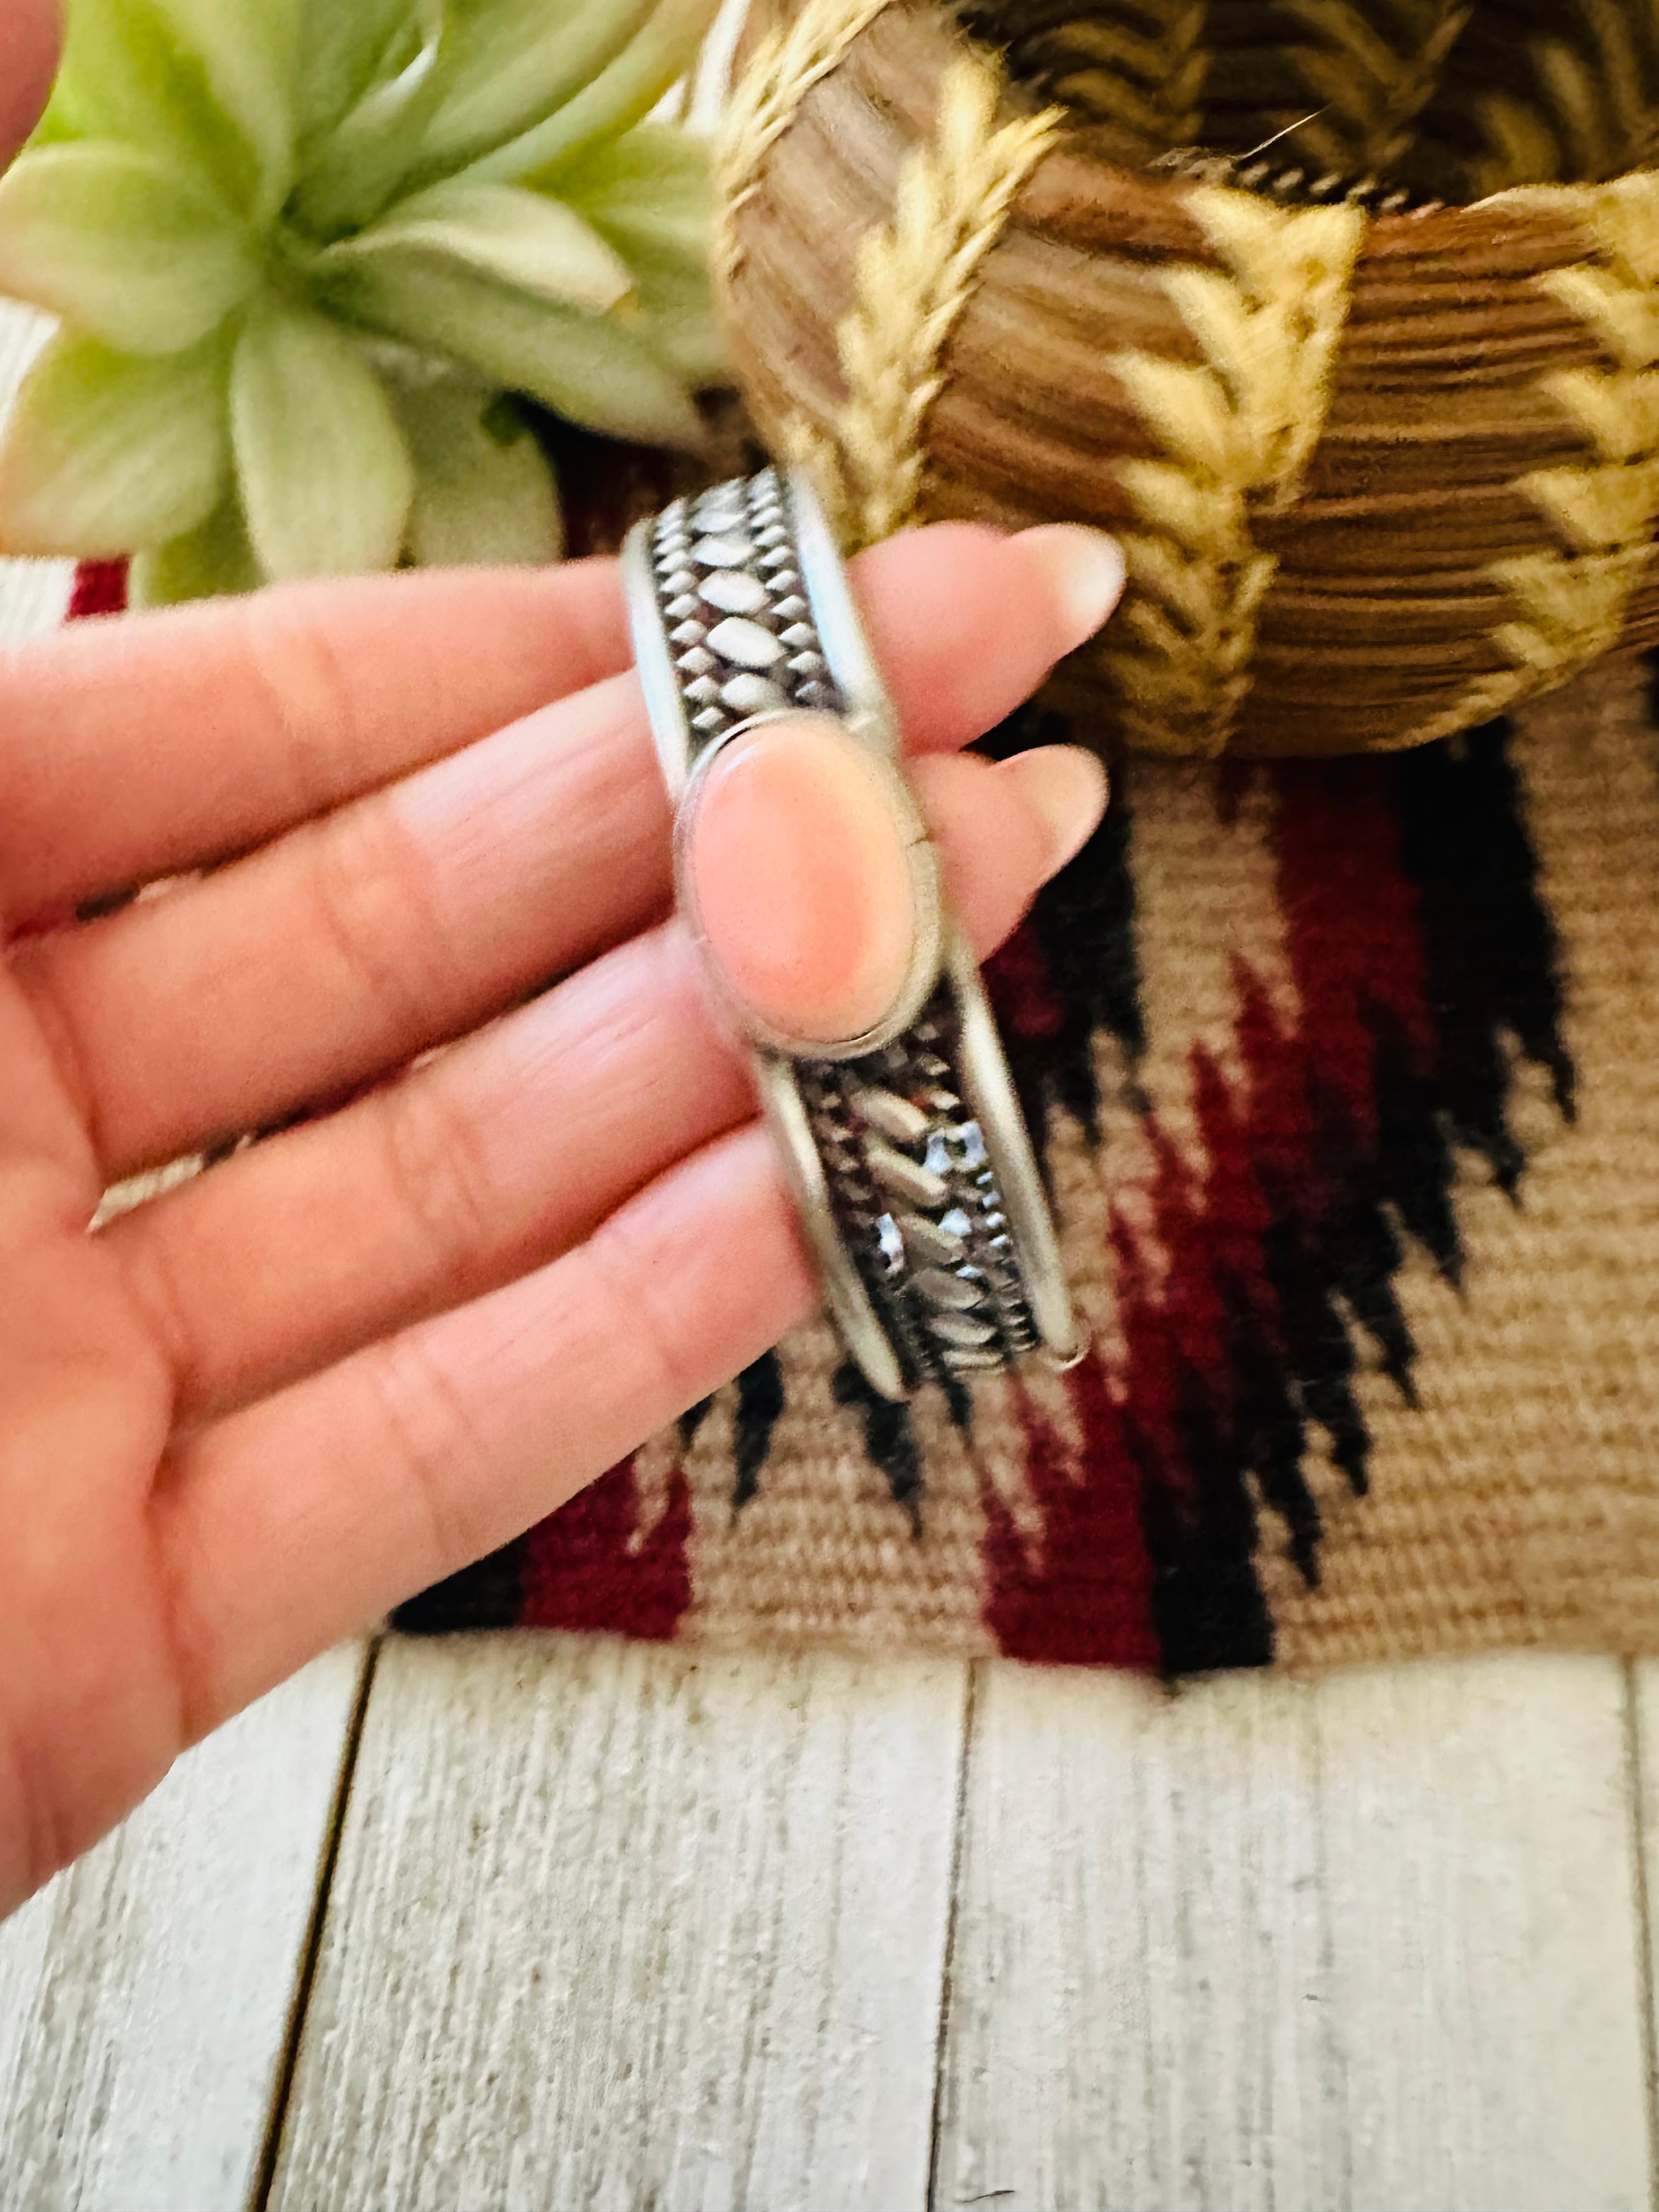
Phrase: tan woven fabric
{"type": "Point", "coordinates": [1519, 1503]}
{"type": "Point", "coordinates": [1351, 1078]}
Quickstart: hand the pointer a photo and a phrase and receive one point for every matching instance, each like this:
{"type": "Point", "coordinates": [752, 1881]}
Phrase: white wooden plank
{"type": "Point", "coordinates": [1359, 1947]}
{"type": "Point", "coordinates": [617, 1926]}
{"type": "Point", "coordinates": [1486, 1988]}
{"type": "Point", "coordinates": [1138, 1954]}
{"type": "Point", "coordinates": [145, 1996]}
{"type": "Point", "coordinates": [32, 594]}
{"type": "Point", "coordinates": [1643, 1743]}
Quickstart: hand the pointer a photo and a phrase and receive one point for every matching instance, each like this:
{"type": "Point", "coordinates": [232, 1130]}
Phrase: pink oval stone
{"type": "Point", "coordinates": [800, 872]}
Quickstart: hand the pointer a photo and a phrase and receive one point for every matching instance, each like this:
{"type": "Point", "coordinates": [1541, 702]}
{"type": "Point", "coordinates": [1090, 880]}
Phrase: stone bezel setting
{"type": "Point", "coordinates": [928, 948]}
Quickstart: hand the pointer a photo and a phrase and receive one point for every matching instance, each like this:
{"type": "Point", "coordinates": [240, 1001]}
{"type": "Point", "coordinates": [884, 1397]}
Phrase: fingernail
{"type": "Point", "coordinates": [1084, 569]}
{"type": "Point", "coordinates": [1067, 787]}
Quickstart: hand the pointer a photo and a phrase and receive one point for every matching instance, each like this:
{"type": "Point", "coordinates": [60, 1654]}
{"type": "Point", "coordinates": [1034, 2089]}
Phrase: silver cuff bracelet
{"type": "Point", "coordinates": [904, 1147]}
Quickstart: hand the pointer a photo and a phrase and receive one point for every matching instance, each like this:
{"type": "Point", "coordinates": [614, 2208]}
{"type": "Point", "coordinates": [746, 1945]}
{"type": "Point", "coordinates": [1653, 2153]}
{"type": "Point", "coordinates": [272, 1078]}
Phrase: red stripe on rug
{"type": "Point", "coordinates": [1084, 1598]}
{"type": "Point", "coordinates": [1022, 994]}
{"type": "Point", "coordinates": [1351, 923]}
{"type": "Point", "coordinates": [100, 588]}
{"type": "Point", "coordinates": [589, 1568]}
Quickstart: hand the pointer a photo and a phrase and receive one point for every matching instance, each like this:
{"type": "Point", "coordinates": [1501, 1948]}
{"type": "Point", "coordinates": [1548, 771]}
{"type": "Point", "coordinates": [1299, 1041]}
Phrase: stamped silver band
{"type": "Point", "coordinates": [905, 1149]}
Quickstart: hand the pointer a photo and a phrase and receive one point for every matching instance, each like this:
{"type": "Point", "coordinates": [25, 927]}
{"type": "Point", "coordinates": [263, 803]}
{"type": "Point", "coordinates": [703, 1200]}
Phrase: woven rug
{"type": "Point", "coordinates": [1348, 1076]}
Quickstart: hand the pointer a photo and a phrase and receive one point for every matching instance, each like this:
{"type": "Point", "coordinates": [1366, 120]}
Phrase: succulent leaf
{"type": "Point", "coordinates": [647, 191]}
{"type": "Point", "coordinates": [122, 244]}
{"type": "Point", "coordinates": [530, 244]}
{"type": "Point", "coordinates": [249, 56]}
{"type": "Point", "coordinates": [127, 75]}
{"type": "Point", "coordinates": [367, 157]}
{"type": "Point", "coordinates": [673, 295]}
{"type": "Point", "coordinates": [57, 125]}
{"type": "Point", "coordinates": [594, 369]}
{"type": "Point", "coordinates": [483, 489]}
{"type": "Point", "coordinates": [621, 95]}
{"type": "Point", "coordinates": [514, 62]}
{"type": "Point", "coordinates": [326, 479]}
{"type": "Point", "coordinates": [212, 559]}
{"type": "Point", "coordinates": [107, 453]}
{"type": "Point", "coordinates": [344, 50]}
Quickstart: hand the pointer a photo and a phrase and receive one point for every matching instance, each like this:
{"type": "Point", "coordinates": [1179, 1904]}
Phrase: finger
{"type": "Point", "coordinates": [29, 35]}
{"type": "Point", "coordinates": [292, 1524]}
{"type": "Point", "coordinates": [131, 748]}
{"type": "Point", "coordinates": [965, 625]}
{"type": "Point", "coordinates": [353, 944]}
{"type": "Point", "coordinates": [1004, 828]}
{"type": "Point", "coordinates": [494, 1157]}
{"type": "Point", "coordinates": [404, 919]}
{"type": "Point", "coordinates": [481, 1164]}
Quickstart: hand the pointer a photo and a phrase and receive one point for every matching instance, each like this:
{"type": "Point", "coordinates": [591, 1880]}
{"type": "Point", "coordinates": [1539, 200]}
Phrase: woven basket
{"type": "Point", "coordinates": [1376, 410]}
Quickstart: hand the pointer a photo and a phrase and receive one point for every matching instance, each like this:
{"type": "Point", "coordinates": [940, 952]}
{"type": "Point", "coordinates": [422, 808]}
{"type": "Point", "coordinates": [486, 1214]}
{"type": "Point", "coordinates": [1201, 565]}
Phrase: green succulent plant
{"type": "Point", "coordinates": [304, 251]}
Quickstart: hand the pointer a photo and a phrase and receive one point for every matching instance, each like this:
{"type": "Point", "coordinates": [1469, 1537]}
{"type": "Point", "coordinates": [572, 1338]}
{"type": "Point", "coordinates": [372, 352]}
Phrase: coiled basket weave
{"type": "Point", "coordinates": [1375, 407]}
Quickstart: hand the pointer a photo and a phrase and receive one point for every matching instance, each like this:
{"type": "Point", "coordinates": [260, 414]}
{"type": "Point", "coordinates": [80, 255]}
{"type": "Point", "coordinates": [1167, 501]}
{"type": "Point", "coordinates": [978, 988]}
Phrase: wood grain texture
{"type": "Point", "coordinates": [1359, 1947]}
{"type": "Point", "coordinates": [1481, 1895]}
{"type": "Point", "coordinates": [145, 1995]}
{"type": "Point", "coordinates": [1642, 1743]}
{"type": "Point", "coordinates": [32, 594]}
{"type": "Point", "coordinates": [615, 1927]}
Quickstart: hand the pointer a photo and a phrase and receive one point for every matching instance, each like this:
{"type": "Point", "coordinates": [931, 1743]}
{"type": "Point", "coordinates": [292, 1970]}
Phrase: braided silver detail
{"type": "Point", "coordinates": [741, 629]}
{"type": "Point", "coordinates": [918, 1201]}
{"type": "Point", "coordinates": [938, 1265]}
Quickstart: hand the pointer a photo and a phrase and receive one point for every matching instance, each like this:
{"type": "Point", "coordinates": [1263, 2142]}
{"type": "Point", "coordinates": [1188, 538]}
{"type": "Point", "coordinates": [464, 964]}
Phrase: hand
{"type": "Point", "coordinates": [245, 1418]}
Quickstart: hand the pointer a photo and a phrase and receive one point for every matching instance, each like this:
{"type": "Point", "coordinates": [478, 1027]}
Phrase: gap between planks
{"type": "Point", "coordinates": [145, 1995]}
{"type": "Point", "coordinates": [958, 1836]}
{"type": "Point", "coordinates": [264, 2172]}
